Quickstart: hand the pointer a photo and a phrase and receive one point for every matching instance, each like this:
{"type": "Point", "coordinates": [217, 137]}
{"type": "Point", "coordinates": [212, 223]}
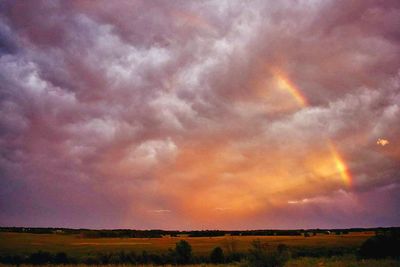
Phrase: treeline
{"type": "Point", "coordinates": [206, 233]}
{"type": "Point", "coordinates": [122, 233]}
{"type": "Point", "coordinates": [268, 233]}
{"type": "Point", "coordinates": [128, 233]}
{"type": "Point", "coordinates": [89, 233]}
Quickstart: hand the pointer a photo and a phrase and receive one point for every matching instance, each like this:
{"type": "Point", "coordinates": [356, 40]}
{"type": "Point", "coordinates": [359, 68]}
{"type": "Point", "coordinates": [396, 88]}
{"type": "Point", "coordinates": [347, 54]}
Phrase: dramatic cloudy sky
{"type": "Point", "coordinates": [200, 114]}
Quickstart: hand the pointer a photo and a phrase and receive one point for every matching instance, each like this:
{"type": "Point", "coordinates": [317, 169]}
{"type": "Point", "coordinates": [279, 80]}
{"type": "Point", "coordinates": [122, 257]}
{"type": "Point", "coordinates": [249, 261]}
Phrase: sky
{"type": "Point", "coordinates": [200, 114]}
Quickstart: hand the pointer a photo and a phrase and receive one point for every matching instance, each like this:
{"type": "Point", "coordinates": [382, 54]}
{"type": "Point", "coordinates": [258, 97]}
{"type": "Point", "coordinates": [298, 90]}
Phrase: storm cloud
{"type": "Point", "coordinates": [199, 114]}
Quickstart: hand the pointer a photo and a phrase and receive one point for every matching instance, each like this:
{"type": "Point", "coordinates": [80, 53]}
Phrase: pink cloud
{"type": "Point", "coordinates": [168, 115]}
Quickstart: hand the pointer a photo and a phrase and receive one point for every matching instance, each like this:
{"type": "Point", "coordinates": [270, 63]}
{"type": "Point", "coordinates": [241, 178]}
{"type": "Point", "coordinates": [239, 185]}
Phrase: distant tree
{"type": "Point", "coordinates": [217, 255]}
{"type": "Point", "coordinates": [183, 252]}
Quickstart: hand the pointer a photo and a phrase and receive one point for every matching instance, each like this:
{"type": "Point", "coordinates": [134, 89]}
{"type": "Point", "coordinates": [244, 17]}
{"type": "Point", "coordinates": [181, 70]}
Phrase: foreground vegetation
{"type": "Point", "coordinates": [342, 261]}
{"type": "Point", "coordinates": [351, 249]}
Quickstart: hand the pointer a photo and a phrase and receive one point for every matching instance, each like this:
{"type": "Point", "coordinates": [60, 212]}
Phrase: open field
{"type": "Point", "coordinates": [301, 262]}
{"type": "Point", "coordinates": [74, 245]}
{"type": "Point", "coordinates": [322, 250]}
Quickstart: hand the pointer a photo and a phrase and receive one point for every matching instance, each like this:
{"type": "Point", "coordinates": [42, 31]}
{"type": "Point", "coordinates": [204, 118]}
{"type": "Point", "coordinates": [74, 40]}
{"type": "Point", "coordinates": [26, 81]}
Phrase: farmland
{"type": "Point", "coordinates": [77, 246]}
{"type": "Point", "coordinates": [80, 247]}
{"type": "Point", "coordinates": [74, 247]}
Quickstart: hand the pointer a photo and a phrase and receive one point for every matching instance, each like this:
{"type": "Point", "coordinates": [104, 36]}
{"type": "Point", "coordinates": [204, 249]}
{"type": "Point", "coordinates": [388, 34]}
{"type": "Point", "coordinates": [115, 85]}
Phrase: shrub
{"type": "Point", "coordinates": [381, 246]}
{"type": "Point", "coordinates": [261, 256]}
{"type": "Point", "coordinates": [217, 255]}
{"type": "Point", "coordinates": [283, 254]}
{"type": "Point", "coordinates": [91, 260]}
{"type": "Point", "coordinates": [40, 257]}
{"type": "Point", "coordinates": [183, 252]}
{"type": "Point", "coordinates": [61, 258]}
{"type": "Point", "coordinates": [235, 257]}
{"type": "Point", "coordinates": [11, 259]}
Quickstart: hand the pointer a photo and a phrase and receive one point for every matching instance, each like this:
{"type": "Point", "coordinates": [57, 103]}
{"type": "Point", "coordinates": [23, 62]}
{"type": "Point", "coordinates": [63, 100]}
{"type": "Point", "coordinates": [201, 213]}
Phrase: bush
{"type": "Point", "coordinates": [283, 254]}
{"type": "Point", "coordinates": [235, 257]}
{"type": "Point", "coordinates": [183, 252]}
{"type": "Point", "coordinates": [91, 260]}
{"type": "Point", "coordinates": [217, 255]}
{"type": "Point", "coordinates": [11, 259]}
{"type": "Point", "coordinates": [61, 258]}
{"type": "Point", "coordinates": [40, 257]}
{"type": "Point", "coordinates": [260, 256]}
{"type": "Point", "coordinates": [381, 246]}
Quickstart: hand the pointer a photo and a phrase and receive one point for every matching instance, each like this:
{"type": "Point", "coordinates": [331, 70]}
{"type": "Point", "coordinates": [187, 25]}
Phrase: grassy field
{"type": "Point", "coordinates": [74, 245]}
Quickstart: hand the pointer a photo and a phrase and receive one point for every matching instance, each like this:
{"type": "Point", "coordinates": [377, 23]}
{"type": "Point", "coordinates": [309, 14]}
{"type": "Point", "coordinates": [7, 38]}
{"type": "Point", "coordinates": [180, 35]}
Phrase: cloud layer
{"type": "Point", "coordinates": [200, 114]}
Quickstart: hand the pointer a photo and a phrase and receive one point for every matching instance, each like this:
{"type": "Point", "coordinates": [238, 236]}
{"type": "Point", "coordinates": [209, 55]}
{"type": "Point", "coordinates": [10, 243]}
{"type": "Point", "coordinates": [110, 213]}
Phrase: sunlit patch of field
{"type": "Point", "coordinates": [74, 245]}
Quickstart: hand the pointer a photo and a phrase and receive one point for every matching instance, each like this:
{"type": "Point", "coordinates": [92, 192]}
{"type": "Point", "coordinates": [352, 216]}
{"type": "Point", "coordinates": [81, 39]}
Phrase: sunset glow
{"type": "Point", "coordinates": [341, 167]}
{"type": "Point", "coordinates": [199, 114]}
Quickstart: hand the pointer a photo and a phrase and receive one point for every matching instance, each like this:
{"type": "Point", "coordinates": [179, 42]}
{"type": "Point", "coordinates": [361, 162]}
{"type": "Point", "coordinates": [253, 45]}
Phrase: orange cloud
{"type": "Point", "coordinates": [382, 142]}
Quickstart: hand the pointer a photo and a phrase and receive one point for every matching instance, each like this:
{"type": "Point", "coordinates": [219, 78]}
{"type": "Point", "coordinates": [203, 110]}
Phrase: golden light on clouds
{"type": "Point", "coordinates": [382, 142]}
{"type": "Point", "coordinates": [340, 164]}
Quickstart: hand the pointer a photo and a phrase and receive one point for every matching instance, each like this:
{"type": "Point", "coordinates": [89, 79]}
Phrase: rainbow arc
{"type": "Point", "coordinates": [284, 83]}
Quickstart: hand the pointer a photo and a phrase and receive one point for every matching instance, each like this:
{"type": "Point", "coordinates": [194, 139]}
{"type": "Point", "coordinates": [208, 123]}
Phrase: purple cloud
{"type": "Point", "coordinates": [199, 114]}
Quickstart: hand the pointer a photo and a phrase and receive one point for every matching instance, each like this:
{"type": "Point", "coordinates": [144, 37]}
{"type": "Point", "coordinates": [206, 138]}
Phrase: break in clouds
{"type": "Point", "coordinates": [200, 114]}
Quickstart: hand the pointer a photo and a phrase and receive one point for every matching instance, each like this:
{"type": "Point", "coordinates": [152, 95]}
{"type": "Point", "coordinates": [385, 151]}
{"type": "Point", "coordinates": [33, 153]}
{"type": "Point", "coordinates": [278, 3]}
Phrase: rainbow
{"type": "Point", "coordinates": [286, 84]}
{"type": "Point", "coordinates": [340, 164]}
